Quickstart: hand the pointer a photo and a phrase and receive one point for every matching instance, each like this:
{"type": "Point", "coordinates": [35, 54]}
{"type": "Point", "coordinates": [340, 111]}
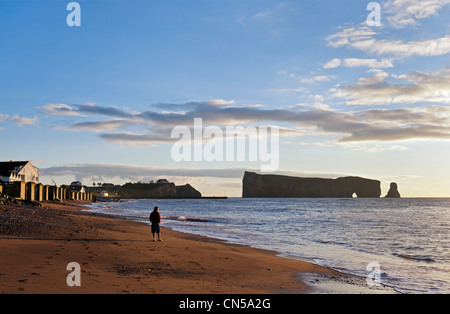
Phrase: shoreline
{"type": "Point", "coordinates": [117, 256]}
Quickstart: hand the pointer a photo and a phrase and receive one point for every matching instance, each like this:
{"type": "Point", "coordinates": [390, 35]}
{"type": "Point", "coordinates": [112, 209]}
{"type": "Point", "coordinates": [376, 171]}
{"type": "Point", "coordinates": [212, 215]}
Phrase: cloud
{"type": "Point", "coordinates": [374, 148]}
{"type": "Point", "coordinates": [362, 38]}
{"type": "Point", "coordinates": [420, 87]}
{"type": "Point", "coordinates": [100, 126]}
{"type": "Point", "coordinates": [316, 79]}
{"type": "Point", "coordinates": [350, 35]}
{"type": "Point", "coordinates": [220, 102]}
{"type": "Point", "coordinates": [432, 47]}
{"type": "Point", "coordinates": [271, 14]}
{"type": "Point", "coordinates": [399, 133]}
{"type": "Point", "coordinates": [370, 63]}
{"type": "Point", "coordinates": [104, 172]}
{"type": "Point", "coordinates": [356, 62]}
{"type": "Point", "coordinates": [20, 120]}
{"type": "Point", "coordinates": [133, 139]}
{"type": "Point", "coordinates": [380, 125]}
{"type": "Point", "coordinates": [84, 172]}
{"type": "Point", "coordinates": [402, 124]}
{"type": "Point", "coordinates": [332, 64]}
{"type": "Point", "coordinates": [82, 110]}
{"type": "Point", "coordinates": [404, 13]}
{"type": "Point", "coordinates": [107, 111]}
{"type": "Point", "coordinates": [272, 20]}
{"type": "Point", "coordinates": [398, 14]}
{"type": "Point", "coordinates": [3, 117]}
{"type": "Point", "coordinates": [212, 112]}
{"type": "Point", "coordinates": [25, 121]}
{"type": "Point", "coordinates": [434, 115]}
{"type": "Point", "coordinates": [289, 90]}
{"type": "Point", "coordinates": [154, 127]}
{"type": "Point", "coordinates": [164, 136]}
{"type": "Point", "coordinates": [59, 110]}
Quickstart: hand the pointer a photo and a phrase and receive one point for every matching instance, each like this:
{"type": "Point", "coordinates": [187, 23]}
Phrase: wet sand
{"type": "Point", "coordinates": [118, 256]}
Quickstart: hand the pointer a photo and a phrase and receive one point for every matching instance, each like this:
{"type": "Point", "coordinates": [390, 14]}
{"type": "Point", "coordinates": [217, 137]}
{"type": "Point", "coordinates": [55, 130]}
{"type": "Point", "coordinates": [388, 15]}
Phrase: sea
{"type": "Point", "coordinates": [408, 238]}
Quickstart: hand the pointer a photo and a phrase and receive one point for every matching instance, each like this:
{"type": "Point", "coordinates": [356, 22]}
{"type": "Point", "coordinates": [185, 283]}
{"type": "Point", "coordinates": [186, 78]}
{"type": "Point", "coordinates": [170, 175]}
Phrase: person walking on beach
{"type": "Point", "coordinates": [155, 219]}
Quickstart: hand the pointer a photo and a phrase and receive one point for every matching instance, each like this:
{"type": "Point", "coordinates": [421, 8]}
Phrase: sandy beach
{"type": "Point", "coordinates": [118, 256]}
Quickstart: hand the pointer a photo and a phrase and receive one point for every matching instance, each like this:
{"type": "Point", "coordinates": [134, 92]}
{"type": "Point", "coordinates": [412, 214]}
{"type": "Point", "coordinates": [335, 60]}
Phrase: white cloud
{"type": "Point", "coordinates": [357, 62]}
{"type": "Point", "coordinates": [25, 121]}
{"type": "Point", "coordinates": [362, 38]}
{"type": "Point", "coordinates": [220, 102]}
{"type": "Point", "coordinates": [420, 87]}
{"type": "Point", "coordinates": [332, 64]}
{"type": "Point", "coordinates": [84, 172]}
{"type": "Point", "coordinates": [270, 13]}
{"type": "Point", "coordinates": [374, 148]}
{"type": "Point", "coordinates": [4, 117]}
{"type": "Point", "coordinates": [370, 63]}
{"type": "Point", "coordinates": [59, 110]}
{"type": "Point", "coordinates": [319, 103]}
{"type": "Point", "coordinates": [404, 13]}
{"type": "Point", "coordinates": [20, 120]}
{"type": "Point", "coordinates": [349, 35]}
{"type": "Point", "coordinates": [433, 47]}
{"type": "Point", "coordinates": [100, 126]}
{"type": "Point", "coordinates": [289, 90]}
{"type": "Point", "coordinates": [316, 79]}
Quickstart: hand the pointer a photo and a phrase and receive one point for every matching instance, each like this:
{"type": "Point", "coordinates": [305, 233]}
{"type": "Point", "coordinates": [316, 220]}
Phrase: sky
{"type": "Point", "coordinates": [98, 102]}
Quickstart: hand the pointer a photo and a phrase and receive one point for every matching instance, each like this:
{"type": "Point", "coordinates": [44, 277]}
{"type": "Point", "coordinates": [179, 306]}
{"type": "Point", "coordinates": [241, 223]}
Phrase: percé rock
{"type": "Point", "coordinates": [393, 191]}
{"type": "Point", "coordinates": [256, 185]}
{"type": "Point", "coordinates": [187, 191]}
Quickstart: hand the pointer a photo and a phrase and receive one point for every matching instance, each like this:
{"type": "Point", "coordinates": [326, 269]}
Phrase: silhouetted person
{"type": "Point", "coordinates": [155, 219]}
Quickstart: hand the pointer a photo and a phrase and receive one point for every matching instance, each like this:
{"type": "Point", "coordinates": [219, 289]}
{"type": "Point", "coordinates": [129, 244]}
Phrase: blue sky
{"type": "Point", "coordinates": [98, 102]}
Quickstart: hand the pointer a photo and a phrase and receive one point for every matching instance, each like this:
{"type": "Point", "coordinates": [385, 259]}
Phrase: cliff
{"type": "Point", "coordinates": [187, 191]}
{"type": "Point", "coordinates": [157, 190]}
{"type": "Point", "coordinates": [148, 190]}
{"type": "Point", "coordinates": [256, 185]}
{"type": "Point", "coordinates": [393, 191]}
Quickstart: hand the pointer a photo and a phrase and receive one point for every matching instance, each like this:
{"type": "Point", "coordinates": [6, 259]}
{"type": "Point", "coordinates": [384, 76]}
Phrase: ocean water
{"type": "Point", "coordinates": [408, 238]}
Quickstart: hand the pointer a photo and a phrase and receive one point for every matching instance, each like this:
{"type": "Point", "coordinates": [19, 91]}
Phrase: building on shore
{"type": "Point", "coordinates": [77, 186]}
{"type": "Point", "coordinates": [18, 171]}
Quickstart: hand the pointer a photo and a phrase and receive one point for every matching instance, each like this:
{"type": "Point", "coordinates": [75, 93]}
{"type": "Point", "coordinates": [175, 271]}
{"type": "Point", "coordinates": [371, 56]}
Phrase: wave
{"type": "Point", "coordinates": [416, 258]}
{"type": "Point", "coordinates": [184, 218]}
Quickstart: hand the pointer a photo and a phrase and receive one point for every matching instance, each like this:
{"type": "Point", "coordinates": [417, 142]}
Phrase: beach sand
{"type": "Point", "coordinates": [118, 256]}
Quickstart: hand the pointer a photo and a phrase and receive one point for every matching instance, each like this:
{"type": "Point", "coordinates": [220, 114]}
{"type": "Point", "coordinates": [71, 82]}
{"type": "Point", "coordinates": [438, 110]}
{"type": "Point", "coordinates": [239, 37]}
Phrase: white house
{"type": "Point", "coordinates": [12, 171]}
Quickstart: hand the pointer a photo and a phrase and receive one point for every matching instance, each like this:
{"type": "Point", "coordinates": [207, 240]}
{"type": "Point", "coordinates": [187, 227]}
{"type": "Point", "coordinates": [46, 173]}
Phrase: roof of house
{"type": "Point", "coordinates": [6, 167]}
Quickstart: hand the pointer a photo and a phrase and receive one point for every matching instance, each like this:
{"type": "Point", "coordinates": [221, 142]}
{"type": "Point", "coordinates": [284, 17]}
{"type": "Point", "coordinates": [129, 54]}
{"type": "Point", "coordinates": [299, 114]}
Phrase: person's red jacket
{"type": "Point", "coordinates": [155, 217]}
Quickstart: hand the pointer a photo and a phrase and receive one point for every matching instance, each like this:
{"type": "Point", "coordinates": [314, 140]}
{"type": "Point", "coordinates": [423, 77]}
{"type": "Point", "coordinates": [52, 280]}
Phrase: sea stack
{"type": "Point", "coordinates": [270, 186]}
{"type": "Point", "coordinates": [393, 191]}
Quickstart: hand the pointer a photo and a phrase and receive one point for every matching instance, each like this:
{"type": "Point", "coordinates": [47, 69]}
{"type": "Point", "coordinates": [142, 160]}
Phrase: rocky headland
{"type": "Point", "coordinates": [156, 190]}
